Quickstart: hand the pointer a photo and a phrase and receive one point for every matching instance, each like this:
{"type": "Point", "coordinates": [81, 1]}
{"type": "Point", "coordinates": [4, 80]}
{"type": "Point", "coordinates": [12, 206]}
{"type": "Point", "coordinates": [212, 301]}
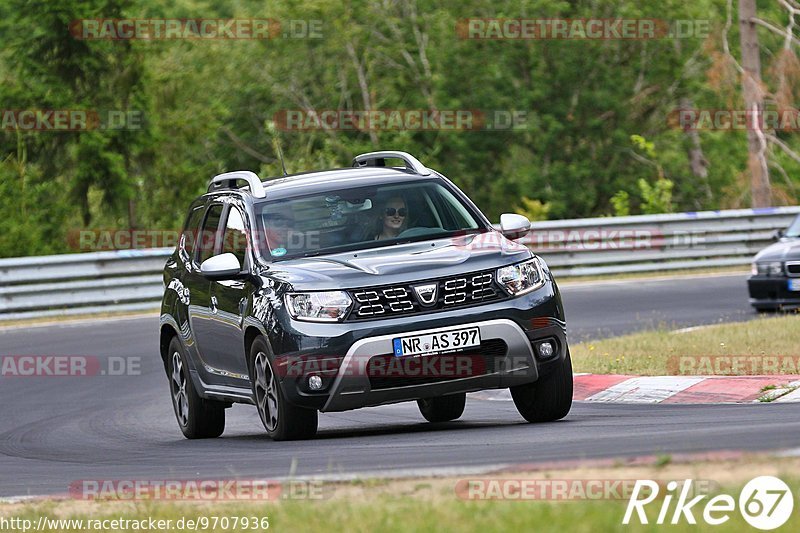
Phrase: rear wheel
{"type": "Point", "coordinates": [197, 417]}
{"type": "Point", "coordinates": [547, 399]}
{"type": "Point", "coordinates": [282, 420]}
{"type": "Point", "coordinates": [444, 408]}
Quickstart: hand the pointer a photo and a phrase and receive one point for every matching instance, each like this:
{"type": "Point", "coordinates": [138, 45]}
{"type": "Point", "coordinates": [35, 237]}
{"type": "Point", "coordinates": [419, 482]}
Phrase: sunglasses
{"type": "Point", "coordinates": [390, 212]}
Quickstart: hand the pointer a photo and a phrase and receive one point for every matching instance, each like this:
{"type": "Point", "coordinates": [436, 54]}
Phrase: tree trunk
{"type": "Point", "coordinates": [697, 160]}
{"type": "Point", "coordinates": [754, 104]}
{"type": "Point", "coordinates": [131, 215]}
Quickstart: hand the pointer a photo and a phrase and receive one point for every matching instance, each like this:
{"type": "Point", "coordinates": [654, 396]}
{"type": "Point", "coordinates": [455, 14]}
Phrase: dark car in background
{"type": "Point", "coordinates": [334, 290]}
{"type": "Point", "coordinates": [775, 280]}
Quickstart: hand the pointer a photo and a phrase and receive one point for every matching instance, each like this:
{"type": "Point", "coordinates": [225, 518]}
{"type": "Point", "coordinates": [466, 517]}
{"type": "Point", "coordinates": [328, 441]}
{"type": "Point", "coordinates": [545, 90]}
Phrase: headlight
{"type": "Point", "coordinates": [767, 269]}
{"type": "Point", "coordinates": [329, 306]}
{"type": "Point", "coordinates": [521, 278]}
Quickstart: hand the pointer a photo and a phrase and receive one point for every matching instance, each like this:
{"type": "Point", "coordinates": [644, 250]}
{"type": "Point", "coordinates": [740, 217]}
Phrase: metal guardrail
{"type": "Point", "coordinates": [131, 280]}
{"type": "Point", "coordinates": [617, 245]}
{"type": "Point", "coordinates": [125, 280]}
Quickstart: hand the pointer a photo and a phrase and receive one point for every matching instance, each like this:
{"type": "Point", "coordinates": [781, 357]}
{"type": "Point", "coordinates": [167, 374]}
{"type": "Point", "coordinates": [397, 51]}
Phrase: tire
{"type": "Point", "coordinates": [547, 399]}
{"type": "Point", "coordinates": [444, 408]}
{"type": "Point", "coordinates": [281, 419]}
{"type": "Point", "coordinates": [198, 418]}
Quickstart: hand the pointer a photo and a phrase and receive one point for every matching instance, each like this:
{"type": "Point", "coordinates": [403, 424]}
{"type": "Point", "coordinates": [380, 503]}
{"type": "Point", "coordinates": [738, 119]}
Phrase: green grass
{"type": "Point", "coordinates": [432, 503]}
{"type": "Point", "coordinates": [659, 352]}
{"type": "Point", "coordinates": [388, 513]}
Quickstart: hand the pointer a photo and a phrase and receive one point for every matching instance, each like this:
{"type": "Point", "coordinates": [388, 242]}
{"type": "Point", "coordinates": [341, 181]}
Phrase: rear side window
{"type": "Point", "coordinates": [207, 243]}
{"type": "Point", "coordinates": [235, 239]}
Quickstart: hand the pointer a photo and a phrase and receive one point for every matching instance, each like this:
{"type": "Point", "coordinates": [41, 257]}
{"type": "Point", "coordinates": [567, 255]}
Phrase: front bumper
{"type": "Point", "coordinates": [341, 352]}
{"type": "Point", "coordinates": [353, 386]}
{"type": "Point", "coordinates": [772, 292]}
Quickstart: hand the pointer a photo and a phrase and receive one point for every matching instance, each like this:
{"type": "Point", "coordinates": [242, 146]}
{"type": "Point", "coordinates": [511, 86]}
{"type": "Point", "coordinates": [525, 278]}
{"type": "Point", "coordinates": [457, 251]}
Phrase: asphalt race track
{"type": "Point", "coordinates": [57, 430]}
{"type": "Point", "coordinates": [610, 308]}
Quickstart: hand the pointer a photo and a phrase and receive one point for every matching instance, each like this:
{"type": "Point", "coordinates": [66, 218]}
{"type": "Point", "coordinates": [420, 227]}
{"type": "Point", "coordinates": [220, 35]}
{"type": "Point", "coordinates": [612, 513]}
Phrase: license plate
{"type": "Point", "coordinates": [794, 284]}
{"type": "Point", "coordinates": [438, 342]}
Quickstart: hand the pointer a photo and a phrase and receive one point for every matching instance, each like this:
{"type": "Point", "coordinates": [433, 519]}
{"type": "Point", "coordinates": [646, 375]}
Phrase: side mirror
{"type": "Point", "coordinates": [222, 266]}
{"type": "Point", "coordinates": [514, 226]}
{"type": "Point", "coordinates": [778, 235]}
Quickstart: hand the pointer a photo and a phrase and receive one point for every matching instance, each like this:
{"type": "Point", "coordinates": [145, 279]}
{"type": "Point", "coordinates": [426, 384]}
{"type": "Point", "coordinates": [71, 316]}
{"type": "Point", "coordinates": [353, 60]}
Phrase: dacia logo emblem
{"type": "Point", "coordinates": [426, 294]}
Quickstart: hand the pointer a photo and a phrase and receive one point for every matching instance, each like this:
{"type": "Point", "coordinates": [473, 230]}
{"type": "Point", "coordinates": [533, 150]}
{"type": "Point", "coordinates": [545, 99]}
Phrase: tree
{"type": "Point", "coordinates": [753, 94]}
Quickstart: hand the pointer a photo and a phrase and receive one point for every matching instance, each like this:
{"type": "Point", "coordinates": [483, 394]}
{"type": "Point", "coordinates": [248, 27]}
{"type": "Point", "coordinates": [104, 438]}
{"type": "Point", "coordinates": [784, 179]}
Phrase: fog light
{"type": "Point", "coordinates": [545, 349]}
{"type": "Point", "coordinates": [314, 382]}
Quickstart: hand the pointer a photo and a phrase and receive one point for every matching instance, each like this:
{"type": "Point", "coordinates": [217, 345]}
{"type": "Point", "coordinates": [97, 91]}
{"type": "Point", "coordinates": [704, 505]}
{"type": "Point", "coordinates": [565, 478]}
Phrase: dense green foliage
{"type": "Point", "coordinates": [596, 139]}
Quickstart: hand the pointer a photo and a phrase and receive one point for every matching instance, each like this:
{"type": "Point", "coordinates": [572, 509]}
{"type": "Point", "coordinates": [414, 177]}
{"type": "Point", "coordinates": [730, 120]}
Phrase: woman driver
{"type": "Point", "coordinates": [393, 219]}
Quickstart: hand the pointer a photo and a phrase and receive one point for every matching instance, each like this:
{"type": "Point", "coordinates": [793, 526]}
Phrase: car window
{"type": "Point", "coordinates": [794, 229]}
{"type": "Point", "coordinates": [235, 238]}
{"type": "Point", "coordinates": [190, 231]}
{"type": "Point", "coordinates": [207, 243]}
{"type": "Point", "coordinates": [365, 217]}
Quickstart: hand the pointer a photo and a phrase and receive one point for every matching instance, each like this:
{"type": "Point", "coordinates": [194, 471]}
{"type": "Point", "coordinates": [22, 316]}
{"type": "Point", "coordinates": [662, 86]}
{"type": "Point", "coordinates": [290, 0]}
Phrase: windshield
{"type": "Point", "coordinates": [794, 229]}
{"type": "Point", "coordinates": [357, 218]}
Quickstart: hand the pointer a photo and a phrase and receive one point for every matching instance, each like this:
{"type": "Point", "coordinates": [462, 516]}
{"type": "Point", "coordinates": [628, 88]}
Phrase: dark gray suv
{"type": "Point", "coordinates": [339, 289]}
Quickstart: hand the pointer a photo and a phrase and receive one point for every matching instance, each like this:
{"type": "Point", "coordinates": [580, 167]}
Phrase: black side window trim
{"type": "Point", "coordinates": [188, 254]}
{"type": "Point", "coordinates": [202, 234]}
{"type": "Point", "coordinates": [247, 266]}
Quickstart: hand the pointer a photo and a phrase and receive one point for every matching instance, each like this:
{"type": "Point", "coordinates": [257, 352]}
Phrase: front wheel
{"type": "Point", "coordinates": [444, 408]}
{"type": "Point", "coordinates": [282, 420]}
{"type": "Point", "coordinates": [547, 399]}
{"type": "Point", "coordinates": [198, 418]}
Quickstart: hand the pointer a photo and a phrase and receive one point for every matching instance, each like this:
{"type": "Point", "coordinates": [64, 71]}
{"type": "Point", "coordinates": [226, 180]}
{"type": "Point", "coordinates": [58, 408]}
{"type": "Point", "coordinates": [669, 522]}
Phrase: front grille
{"type": "Point", "coordinates": [396, 300]}
{"type": "Point", "coordinates": [387, 371]}
{"type": "Point", "coordinates": [793, 268]}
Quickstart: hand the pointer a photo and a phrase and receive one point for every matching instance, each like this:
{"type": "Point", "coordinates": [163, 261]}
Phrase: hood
{"type": "Point", "coordinates": [785, 250]}
{"type": "Point", "coordinates": [400, 263]}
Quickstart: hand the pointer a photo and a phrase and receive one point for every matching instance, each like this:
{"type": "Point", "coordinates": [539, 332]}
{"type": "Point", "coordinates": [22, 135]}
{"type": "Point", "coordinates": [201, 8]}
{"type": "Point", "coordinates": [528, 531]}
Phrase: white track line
{"type": "Point", "coordinates": [648, 389]}
{"type": "Point", "coordinates": [78, 321]}
{"type": "Point", "coordinates": [793, 396]}
{"type": "Point", "coordinates": [576, 284]}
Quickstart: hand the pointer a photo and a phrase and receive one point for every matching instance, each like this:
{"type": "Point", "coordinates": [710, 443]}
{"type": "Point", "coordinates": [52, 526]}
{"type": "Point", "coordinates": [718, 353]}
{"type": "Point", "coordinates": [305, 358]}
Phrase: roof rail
{"type": "Point", "coordinates": [229, 179]}
{"type": "Point", "coordinates": [378, 159]}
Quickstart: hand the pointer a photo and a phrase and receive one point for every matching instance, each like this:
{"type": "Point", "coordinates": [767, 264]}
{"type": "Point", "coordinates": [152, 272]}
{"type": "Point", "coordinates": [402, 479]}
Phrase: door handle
{"type": "Point", "coordinates": [214, 304]}
{"type": "Point", "coordinates": [242, 308]}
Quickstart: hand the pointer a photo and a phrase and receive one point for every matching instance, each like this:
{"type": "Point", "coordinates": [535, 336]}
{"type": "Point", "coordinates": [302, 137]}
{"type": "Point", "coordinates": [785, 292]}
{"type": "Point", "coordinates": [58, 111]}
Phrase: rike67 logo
{"type": "Point", "coordinates": [765, 503]}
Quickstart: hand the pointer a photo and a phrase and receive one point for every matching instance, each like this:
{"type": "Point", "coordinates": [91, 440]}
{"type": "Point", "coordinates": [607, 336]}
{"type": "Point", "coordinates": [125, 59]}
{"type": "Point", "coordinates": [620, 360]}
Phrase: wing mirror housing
{"type": "Point", "coordinates": [222, 266]}
{"type": "Point", "coordinates": [514, 226]}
